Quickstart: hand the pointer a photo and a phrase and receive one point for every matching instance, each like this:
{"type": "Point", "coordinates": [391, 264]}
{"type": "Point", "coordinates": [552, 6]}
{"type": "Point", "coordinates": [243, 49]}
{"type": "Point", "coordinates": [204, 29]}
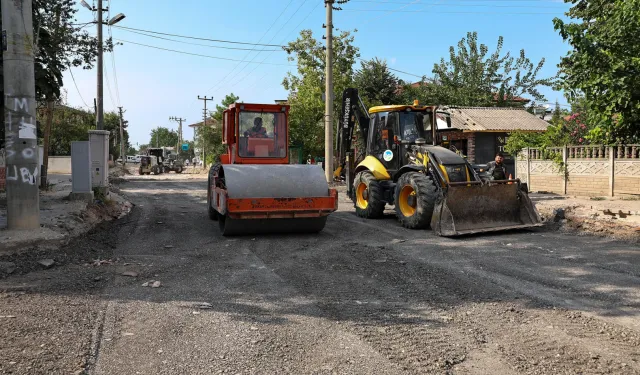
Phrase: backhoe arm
{"type": "Point", "coordinates": [353, 110]}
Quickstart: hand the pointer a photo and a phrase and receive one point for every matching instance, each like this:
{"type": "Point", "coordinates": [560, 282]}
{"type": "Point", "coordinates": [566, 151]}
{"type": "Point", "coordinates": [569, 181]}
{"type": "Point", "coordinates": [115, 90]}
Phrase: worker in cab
{"type": "Point", "coordinates": [496, 169]}
{"type": "Point", "coordinates": [257, 131]}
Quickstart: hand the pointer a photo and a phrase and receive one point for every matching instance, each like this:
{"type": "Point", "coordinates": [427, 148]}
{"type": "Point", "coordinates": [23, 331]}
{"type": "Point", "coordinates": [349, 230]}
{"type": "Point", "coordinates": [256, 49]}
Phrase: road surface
{"type": "Point", "coordinates": [362, 297]}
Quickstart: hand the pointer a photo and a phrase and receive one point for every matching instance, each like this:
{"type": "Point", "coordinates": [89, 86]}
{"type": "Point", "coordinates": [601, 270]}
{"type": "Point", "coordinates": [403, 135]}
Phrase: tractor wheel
{"type": "Point", "coordinates": [415, 197]}
{"type": "Point", "coordinates": [140, 172]}
{"type": "Point", "coordinates": [368, 197]}
{"type": "Point", "coordinates": [179, 170]}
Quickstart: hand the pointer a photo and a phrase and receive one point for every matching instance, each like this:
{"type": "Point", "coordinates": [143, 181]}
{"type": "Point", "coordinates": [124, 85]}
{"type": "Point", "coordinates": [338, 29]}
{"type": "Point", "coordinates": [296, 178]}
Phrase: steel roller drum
{"type": "Point", "coordinates": [273, 181]}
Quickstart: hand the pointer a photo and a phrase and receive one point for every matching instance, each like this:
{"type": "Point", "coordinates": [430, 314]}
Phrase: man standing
{"type": "Point", "coordinates": [496, 169]}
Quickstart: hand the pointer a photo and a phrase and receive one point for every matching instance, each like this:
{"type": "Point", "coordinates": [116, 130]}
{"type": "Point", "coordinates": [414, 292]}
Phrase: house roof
{"type": "Point", "coordinates": [210, 122]}
{"type": "Point", "coordinates": [480, 119]}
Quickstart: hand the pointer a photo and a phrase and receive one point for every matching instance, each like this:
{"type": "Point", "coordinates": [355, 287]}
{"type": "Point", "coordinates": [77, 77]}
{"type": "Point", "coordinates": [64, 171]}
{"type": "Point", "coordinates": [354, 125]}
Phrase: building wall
{"type": "Point", "coordinates": [59, 164]}
{"type": "Point", "coordinates": [586, 176]}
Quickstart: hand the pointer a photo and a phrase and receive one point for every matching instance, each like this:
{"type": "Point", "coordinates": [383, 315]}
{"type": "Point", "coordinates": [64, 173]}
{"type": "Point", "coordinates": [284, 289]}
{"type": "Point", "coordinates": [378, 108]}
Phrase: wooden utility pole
{"type": "Point", "coordinates": [21, 140]}
{"type": "Point", "coordinates": [122, 153]}
{"type": "Point", "coordinates": [204, 115]}
{"type": "Point", "coordinates": [47, 129]}
{"type": "Point", "coordinates": [328, 94]}
{"type": "Point", "coordinates": [45, 145]}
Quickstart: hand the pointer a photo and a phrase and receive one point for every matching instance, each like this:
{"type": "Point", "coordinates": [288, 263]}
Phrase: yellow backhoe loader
{"type": "Point", "coordinates": [430, 186]}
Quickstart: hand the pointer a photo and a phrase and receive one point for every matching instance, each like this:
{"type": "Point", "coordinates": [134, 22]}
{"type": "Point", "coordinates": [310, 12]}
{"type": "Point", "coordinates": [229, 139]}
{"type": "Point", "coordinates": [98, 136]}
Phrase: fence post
{"type": "Point", "coordinates": [528, 162]}
{"type": "Point", "coordinates": [565, 159]}
{"type": "Point", "coordinates": [612, 170]}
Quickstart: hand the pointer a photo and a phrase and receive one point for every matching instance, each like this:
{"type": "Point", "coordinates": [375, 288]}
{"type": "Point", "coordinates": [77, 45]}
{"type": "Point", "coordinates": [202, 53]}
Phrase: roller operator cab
{"type": "Point", "coordinates": [428, 184]}
{"type": "Point", "coordinates": [253, 188]}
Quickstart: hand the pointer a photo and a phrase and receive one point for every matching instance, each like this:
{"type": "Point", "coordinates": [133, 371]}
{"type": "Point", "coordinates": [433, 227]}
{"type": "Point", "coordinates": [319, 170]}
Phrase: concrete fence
{"type": "Point", "coordinates": [57, 165]}
{"type": "Point", "coordinates": [590, 170]}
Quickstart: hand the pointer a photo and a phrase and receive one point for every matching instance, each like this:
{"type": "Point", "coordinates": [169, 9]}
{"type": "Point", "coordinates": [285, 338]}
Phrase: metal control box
{"type": "Point", "coordinates": [99, 147]}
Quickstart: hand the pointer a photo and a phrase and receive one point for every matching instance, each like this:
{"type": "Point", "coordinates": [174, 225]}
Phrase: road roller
{"type": "Point", "coordinates": [253, 188]}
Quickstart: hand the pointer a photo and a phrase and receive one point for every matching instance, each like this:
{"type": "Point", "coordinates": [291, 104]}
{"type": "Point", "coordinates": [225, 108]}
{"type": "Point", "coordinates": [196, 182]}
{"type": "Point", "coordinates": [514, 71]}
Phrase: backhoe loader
{"type": "Point", "coordinates": [430, 186]}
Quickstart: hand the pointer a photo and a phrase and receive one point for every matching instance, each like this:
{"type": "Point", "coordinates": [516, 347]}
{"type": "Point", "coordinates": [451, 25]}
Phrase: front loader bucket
{"type": "Point", "coordinates": [476, 208]}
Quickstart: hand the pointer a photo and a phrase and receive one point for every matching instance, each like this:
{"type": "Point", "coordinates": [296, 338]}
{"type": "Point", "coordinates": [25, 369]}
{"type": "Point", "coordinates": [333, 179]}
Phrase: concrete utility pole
{"type": "Point", "coordinates": [122, 153]}
{"type": "Point", "coordinates": [328, 93]}
{"type": "Point", "coordinates": [204, 115]}
{"type": "Point", "coordinates": [21, 140]}
{"type": "Point", "coordinates": [100, 72]}
{"type": "Point", "coordinates": [179, 120]}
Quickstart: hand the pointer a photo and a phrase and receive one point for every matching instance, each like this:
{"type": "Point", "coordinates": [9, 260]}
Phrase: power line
{"type": "Point", "coordinates": [195, 54]}
{"type": "Point", "coordinates": [248, 53]}
{"type": "Point", "coordinates": [198, 44]}
{"type": "Point", "coordinates": [106, 75]}
{"type": "Point", "coordinates": [77, 89]}
{"type": "Point", "coordinates": [292, 31]}
{"type": "Point", "coordinates": [274, 35]}
{"type": "Point", "coordinates": [197, 38]}
{"type": "Point", "coordinates": [463, 5]}
{"type": "Point", "coordinates": [451, 12]}
{"type": "Point", "coordinates": [113, 56]}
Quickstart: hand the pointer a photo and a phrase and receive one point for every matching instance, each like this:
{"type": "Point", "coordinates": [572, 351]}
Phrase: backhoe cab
{"type": "Point", "coordinates": [429, 185]}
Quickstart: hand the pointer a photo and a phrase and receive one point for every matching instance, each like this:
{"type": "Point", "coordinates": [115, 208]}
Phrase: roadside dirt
{"type": "Point", "coordinates": [61, 219]}
{"type": "Point", "coordinates": [605, 217]}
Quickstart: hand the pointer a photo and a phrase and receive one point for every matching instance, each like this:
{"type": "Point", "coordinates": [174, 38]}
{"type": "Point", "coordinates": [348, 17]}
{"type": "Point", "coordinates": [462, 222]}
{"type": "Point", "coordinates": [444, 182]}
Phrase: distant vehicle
{"type": "Point", "coordinates": [167, 158]}
{"type": "Point", "coordinates": [138, 158]}
{"type": "Point", "coordinates": [132, 159]}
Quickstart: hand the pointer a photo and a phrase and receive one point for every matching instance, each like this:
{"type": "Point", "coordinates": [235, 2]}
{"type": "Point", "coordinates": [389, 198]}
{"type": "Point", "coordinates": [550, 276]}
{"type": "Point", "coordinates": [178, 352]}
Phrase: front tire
{"type": "Point", "coordinates": [368, 196]}
{"type": "Point", "coordinates": [415, 198]}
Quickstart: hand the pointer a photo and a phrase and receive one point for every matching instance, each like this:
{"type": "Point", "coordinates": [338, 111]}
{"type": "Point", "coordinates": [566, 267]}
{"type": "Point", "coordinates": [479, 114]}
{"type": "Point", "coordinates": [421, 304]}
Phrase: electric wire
{"type": "Point", "coordinates": [248, 53]}
{"type": "Point", "coordinates": [273, 37]}
{"type": "Point", "coordinates": [197, 44]}
{"type": "Point", "coordinates": [77, 89]}
{"type": "Point", "coordinates": [194, 54]}
{"type": "Point", "coordinates": [197, 38]}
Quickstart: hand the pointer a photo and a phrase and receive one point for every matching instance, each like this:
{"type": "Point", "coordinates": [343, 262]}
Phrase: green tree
{"type": "Point", "coordinates": [474, 77]}
{"type": "Point", "coordinates": [306, 85]}
{"type": "Point", "coordinates": [604, 65]}
{"type": "Point", "coordinates": [375, 83]}
{"type": "Point", "coordinates": [58, 44]}
{"type": "Point", "coordinates": [68, 125]}
{"type": "Point", "coordinates": [212, 135]}
{"type": "Point", "coordinates": [160, 136]}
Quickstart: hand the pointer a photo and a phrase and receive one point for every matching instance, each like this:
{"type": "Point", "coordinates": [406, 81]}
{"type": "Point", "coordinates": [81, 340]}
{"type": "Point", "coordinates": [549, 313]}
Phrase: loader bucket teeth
{"type": "Point", "coordinates": [470, 209]}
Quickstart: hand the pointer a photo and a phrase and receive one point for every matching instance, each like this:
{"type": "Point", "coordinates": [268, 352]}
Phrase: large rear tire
{"type": "Point", "coordinates": [415, 198]}
{"type": "Point", "coordinates": [368, 196]}
{"type": "Point", "coordinates": [213, 214]}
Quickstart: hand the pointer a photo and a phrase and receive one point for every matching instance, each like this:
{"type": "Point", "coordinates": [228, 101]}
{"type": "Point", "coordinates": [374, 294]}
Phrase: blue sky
{"type": "Point", "coordinates": [153, 85]}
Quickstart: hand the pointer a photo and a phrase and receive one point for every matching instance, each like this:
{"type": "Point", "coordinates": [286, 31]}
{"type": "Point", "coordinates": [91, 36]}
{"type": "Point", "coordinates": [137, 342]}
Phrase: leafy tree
{"type": "Point", "coordinates": [604, 66]}
{"type": "Point", "coordinates": [376, 84]}
{"type": "Point", "coordinates": [68, 125]}
{"type": "Point", "coordinates": [558, 115]}
{"type": "Point", "coordinates": [132, 151]}
{"type": "Point", "coordinates": [306, 86]}
{"type": "Point", "coordinates": [473, 77]}
{"type": "Point", "coordinates": [160, 136]}
{"type": "Point", "coordinates": [58, 44]}
{"type": "Point", "coordinates": [212, 135]}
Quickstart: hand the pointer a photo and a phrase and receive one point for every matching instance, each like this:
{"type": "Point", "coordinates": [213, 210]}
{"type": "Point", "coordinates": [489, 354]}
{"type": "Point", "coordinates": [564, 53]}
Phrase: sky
{"type": "Point", "coordinates": [153, 84]}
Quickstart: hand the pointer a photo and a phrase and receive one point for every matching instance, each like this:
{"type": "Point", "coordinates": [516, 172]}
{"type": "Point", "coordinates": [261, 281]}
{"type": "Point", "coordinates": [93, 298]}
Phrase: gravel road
{"type": "Point", "coordinates": [362, 297]}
